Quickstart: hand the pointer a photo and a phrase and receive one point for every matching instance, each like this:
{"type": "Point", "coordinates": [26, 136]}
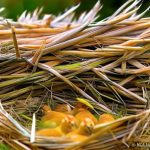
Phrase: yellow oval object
{"type": "Point", "coordinates": [105, 118]}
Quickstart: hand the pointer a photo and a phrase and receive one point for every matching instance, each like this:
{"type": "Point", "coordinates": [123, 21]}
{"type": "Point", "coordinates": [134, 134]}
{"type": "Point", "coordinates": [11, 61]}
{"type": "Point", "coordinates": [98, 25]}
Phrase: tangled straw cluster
{"type": "Point", "coordinates": [56, 59]}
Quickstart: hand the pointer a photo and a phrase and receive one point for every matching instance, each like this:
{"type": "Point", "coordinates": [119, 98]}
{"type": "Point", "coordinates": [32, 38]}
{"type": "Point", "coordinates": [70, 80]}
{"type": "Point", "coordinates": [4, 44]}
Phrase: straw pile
{"type": "Point", "coordinates": [57, 59]}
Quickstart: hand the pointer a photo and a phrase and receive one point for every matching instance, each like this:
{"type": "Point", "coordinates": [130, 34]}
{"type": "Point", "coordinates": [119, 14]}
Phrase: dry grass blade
{"type": "Point", "coordinates": [133, 95]}
{"type": "Point", "coordinates": [21, 129]}
{"type": "Point", "coordinates": [15, 42]}
{"type": "Point", "coordinates": [32, 137]}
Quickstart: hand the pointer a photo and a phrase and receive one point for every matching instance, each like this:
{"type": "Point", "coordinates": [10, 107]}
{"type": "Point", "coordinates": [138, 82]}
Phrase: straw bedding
{"type": "Point", "coordinates": [55, 59]}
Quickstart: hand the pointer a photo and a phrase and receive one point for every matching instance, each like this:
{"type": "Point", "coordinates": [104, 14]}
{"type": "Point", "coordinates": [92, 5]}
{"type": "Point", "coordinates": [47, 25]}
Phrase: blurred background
{"type": "Point", "coordinates": [15, 7]}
